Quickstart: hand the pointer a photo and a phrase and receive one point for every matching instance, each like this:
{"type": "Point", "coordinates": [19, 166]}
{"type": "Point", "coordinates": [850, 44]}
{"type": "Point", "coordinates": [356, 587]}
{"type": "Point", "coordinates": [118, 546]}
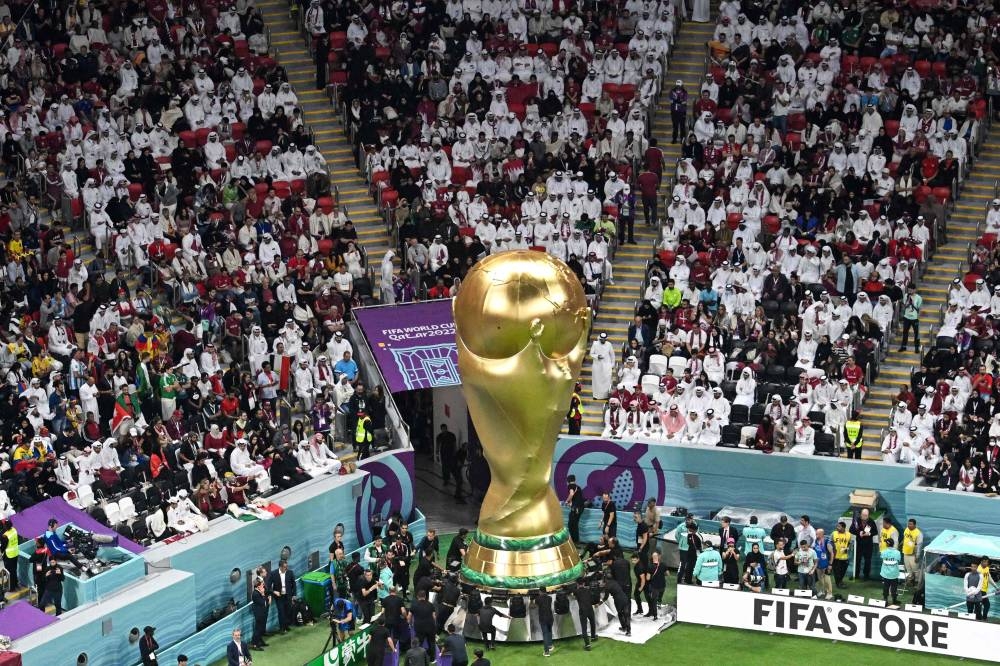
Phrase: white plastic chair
{"type": "Point", "coordinates": [127, 507]}
{"type": "Point", "coordinates": [677, 364]}
{"type": "Point", "coordinates": [747, 434]}
{"type": "Point", "coordinates": [85, 496]}
{"type": "Point", "coordinates": [650, 383]}
{"type": "Point", "coordinates": [113, 513]}
{"type": "Point", "coordinates": [658, 364]}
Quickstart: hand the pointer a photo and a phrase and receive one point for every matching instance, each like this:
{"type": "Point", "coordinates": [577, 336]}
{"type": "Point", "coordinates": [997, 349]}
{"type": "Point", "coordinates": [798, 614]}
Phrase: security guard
{"type": "Point", "coordinates": [9, 544]}
{"type": "Point", "coordinates": [854, 436]}
{"type": "Point", "coordinates": [841, 552]}
{"type": "Point", "coordinates": [913, 543]}
{"type": "Point", "coordinates": [754, 534]}
{"type": "Point", "coordinates": [574, 416]}
{"type": "Point", "coordinates": [363, 435]}
{"type": "Point", "coordinates": [891, 559]}
{"type": "Point", "coordinates": [708, 567]}
{"type": "Point", "coordinates": [886, 534]}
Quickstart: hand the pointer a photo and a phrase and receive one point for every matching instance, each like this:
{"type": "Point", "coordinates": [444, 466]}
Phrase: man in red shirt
{"type": "Point", "coordinates": [852, 372]}
{"type": "Point", "coordinates": [648, 182]}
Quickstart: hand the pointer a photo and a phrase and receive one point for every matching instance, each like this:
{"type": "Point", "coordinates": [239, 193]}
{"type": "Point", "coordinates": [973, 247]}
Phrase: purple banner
{"type": "Point", "coordinates": [414, 344]}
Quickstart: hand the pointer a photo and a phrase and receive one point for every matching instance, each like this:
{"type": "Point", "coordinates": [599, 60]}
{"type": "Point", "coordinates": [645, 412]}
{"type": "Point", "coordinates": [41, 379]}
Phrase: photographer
{"type": "Point", "coordinates": [425, 576]}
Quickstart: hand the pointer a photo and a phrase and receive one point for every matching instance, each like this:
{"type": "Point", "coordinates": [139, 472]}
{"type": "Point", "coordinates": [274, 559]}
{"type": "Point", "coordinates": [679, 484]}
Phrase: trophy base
{"type": "Point", "coordinates": [500, 563]}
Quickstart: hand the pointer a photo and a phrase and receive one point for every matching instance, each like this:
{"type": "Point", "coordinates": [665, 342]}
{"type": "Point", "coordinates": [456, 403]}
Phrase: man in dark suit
{"type": "Point", "coordinates": [281, 584]}
{"type": "Point", "coordinates": [726, 532]}
{"type": "Point", "coordinates": [260, 602]}
{"type": "Point", "coordinates": [238, 652]}
{"type": "Point", "coordinates": [638, 331]}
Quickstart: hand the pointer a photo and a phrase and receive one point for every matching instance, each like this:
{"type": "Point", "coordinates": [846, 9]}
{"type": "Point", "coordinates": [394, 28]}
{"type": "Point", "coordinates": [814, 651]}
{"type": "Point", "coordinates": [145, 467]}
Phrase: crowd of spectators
{"type": "Point", "coordinates": [177, 270]}
{"type": "Point", "coordinates": [484, 127]}
{"type": "Point", "coordinates": [827, 142]}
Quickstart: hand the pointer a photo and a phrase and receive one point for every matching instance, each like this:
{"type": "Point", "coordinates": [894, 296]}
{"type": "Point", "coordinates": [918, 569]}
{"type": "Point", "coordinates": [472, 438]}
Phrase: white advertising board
{"type": "Point", "coordinates": [813, 618]}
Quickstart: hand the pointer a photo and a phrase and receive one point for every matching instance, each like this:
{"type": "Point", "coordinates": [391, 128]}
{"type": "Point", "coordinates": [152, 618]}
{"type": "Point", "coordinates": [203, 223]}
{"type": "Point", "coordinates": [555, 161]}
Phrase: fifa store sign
{"type": "Point", "coordinates": [853, 623]}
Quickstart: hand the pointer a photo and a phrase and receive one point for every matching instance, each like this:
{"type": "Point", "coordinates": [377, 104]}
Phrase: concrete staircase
{"type": "Point", "coordinates": [292, 52]}
{"type": "Point", "coordinates": [947, 264]}
{"type": "Point", "coordinates": [687, 62]}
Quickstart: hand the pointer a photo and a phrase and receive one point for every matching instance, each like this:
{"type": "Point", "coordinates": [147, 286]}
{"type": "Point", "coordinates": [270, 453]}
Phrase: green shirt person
{"type": "Point", "coordinates": [708, 567]}
{"type": "Point", "coordinates": [891, 558]}
{"type": "Point", "coordinates": [682, 537]}
{"type": "Point", "coordinates": [671, 295]}
{"type": "Point", "coordinates": [168, 386]}
{"type": "Point", "coordinates": [755, 534]}
{"type": "Point", "coordinates": [912, 303]}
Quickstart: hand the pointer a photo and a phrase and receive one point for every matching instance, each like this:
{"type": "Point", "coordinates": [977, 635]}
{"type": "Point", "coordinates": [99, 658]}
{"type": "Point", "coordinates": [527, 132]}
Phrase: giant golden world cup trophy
{"type": "Point", "coordinates": [522, 323]}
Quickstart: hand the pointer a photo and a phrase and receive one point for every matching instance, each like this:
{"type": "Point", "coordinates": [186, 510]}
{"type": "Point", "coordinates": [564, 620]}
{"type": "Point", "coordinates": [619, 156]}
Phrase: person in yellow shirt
{"type": "Point", "coordinates": [15, 247]}
{"type": "Point", "coordinates": [887, 532]}
{"type": "Point", "coordinates": [984, 574]}
{"type": "Point", "coordinates": [912, 548]}
{"type": "Point", "coordinates": [841, 553]}
{"type": "Point", "coordinates": [41, 365]}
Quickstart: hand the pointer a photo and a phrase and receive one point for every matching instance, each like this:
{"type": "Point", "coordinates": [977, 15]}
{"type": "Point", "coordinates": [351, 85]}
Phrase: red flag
{"type": "Point", "coordinates": [121, 421]}
{"type": "Point", "coordinates": [285, 372]}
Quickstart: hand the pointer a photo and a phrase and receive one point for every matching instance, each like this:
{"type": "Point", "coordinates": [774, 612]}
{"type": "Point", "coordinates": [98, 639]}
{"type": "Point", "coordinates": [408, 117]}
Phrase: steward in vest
{"type": "Point", "coordinates": [575, 414]}
{"type": "Point", "coordinates": [854, 436]}
{"type": "Point", "coordinates": [364, 434]}
{"type": "Point", "coordinates": [9, 545]}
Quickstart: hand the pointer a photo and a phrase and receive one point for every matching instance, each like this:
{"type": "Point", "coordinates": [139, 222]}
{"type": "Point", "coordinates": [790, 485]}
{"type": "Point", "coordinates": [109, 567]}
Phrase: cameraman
{"type": "Point", "coordinates": [426, 576]}
{"type": "Point", "coordinates": [342, 618]}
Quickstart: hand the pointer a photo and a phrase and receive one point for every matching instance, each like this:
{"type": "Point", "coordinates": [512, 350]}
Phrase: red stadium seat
{"type": "Point", "coordinates": [264, 147]}
{"type": "Point", "coordinates": [325, 204]}
{"type": "Point", "coordinates": [390, 198]}
{"type": "Point", "coordinates": [923, 68]}
{"type": "Point", "coordinates": [892, 127]}
{"type": "Point", "coordinates": [733, 220]}
{"type": "Point", "coordinates": [189, 139]}
{"type": "Point", "coordinates": [942, 194]}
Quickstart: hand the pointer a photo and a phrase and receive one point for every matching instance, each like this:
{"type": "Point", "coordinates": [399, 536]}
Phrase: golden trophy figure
{"type": "Point", "coordinates": [522, 324]}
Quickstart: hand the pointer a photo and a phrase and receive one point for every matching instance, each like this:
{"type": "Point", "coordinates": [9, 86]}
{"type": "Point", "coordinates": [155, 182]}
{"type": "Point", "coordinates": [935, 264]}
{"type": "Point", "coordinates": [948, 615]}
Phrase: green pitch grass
{"type": "Point", "coordinates": [681, 644]}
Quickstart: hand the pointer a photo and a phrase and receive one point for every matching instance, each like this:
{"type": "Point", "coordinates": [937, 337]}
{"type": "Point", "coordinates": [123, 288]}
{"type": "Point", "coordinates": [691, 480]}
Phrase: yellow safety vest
{"type": "Point", "coordinates": [360, 433]}
{"type": "Point", "coordinates": [853, 430]}
{"type": "Point", "coordinates": [841, 545]}
{"type": "Point", "coordinates": [910, 538]}
{"type": "Point", "coordinates": [12, 544]}
{"type": "Point", "coordinates": [884, 535]}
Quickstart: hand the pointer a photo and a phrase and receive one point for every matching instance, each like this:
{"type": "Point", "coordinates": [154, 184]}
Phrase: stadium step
{"type": "Point", "coordinates": [976, 193]}
{"type": "Point", "coordinates": [687, 63]}
{"type": "Point", "coordinates": [351, 190]}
